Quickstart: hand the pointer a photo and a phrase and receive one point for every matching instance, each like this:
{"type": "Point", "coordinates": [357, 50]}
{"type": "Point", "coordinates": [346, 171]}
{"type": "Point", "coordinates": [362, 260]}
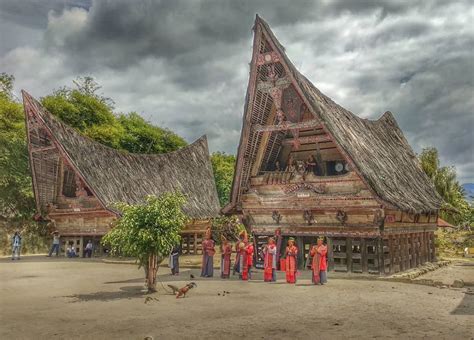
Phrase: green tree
{"type": "Point", "coordinates": [223, 167]}
{"type": "Point", "coordinates": [16, 196]}
{"type": "Point", "coordinates": [140, 136]}
{"type": "Point", "coordinates": [148, 232]}
{"type": "Point", "coordinates": [90, 112]}
{"type": "Point", "coordinates": [455, 209]}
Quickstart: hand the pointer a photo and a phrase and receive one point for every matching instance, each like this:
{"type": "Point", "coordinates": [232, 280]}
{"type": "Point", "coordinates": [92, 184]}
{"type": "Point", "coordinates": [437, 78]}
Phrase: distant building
{"type": "Point", "coordinates": [77, 181]}
{"type": "Point", "coordinates": [308, 167]}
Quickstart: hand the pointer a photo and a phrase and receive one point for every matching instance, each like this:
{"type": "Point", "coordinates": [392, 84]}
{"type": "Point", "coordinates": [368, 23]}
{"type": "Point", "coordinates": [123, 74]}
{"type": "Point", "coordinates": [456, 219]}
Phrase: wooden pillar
{"type": "Point", "coordinates": [412, 251]}
{"type": "Point", "coordinates": [81, 246]}
{"type": "Point", "coordinates": [195, 243]}
{"type": "Point", "coordinates": [349, 254]}
{"type": "Point", "coordinates": [407, 251]}
{"type": "Point", "coordinates": [380, 255]}
{"type": "Point", "coordinates": [422, 248]}
{"type": "Point", "coordinates": [434, 259]}
{"type": "Point", "coordinates": [428, 245]}
{"type": "Point", "coordinates": [418, 249]}
{"type": "Point", "coordinates": [402, 252]}
{"type": "Point", "coordinates": [188, 244]}
{"type": "Point", "coordinates": [363, 256]}
{"type": "Point", "coordinates": [302, 253]}
{"type": "Point", "coordinates": [330, 254]}
{"type": "Point", "coordinates": [391, 249]}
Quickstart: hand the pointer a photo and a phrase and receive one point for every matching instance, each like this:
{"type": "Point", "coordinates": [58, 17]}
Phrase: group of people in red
{"type": "Point", "coordinates": [243, 263]}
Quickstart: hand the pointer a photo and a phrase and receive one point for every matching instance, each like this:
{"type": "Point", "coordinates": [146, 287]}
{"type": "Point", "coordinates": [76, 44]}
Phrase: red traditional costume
{"type": "Point", "coordinates": [269, 264]}
{"type": "Point", "coordinates": [208, 251]}
{"type": "Point", "coordinates": [291, 263]}
{"type": "Point", "coordinates": [226, 251]}
{"type": "Point", "coordinates": [319, 265]}
{"type": "Point", "coordinates": [249, 253]}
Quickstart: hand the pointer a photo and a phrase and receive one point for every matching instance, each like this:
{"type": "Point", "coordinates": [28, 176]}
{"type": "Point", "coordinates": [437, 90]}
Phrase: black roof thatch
{"type": "Point", "coordinates": [116, 176]}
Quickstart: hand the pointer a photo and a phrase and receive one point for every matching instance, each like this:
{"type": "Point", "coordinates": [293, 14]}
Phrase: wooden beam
{"type": "Point", "coordinates": [307, 124]}
{"type": "Point", "coordinates": [307, 139]}
{"type": "Point", "coordinates": [266, 86]}
{"type": "Point", "coordinates": [263, 146]}
{"type": "Point", "coordinates": [44, 148]}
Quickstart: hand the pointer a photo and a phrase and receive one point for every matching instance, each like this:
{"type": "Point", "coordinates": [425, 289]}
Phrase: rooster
{"type": "Point", "coordinates": [182, 291]}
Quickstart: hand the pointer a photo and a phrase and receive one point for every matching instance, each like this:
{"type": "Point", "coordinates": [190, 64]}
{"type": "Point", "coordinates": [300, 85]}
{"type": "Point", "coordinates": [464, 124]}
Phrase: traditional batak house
{"type": "Point", "coordinates": [308, 167]}
{"type": "Point", "coordinates": [77, 181]}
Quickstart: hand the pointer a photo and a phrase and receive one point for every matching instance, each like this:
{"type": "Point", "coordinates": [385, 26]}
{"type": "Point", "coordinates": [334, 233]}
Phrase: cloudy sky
{"type": "Point", "coordinates": [184, 64]}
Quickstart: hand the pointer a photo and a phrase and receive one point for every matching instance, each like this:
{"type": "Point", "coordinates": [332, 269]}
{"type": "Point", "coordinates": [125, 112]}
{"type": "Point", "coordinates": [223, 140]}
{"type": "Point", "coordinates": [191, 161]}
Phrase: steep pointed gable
{"type": "Point", "coordinates": [114, 176]}
{"type": "Point", "coordinates": [377, 150]}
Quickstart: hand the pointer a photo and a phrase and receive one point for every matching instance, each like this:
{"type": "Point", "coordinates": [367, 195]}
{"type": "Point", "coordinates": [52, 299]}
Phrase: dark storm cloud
{"type": "Point", "coordinates": [184, 64]}
{"type": "Point", "coordinates": [34, 13]}
{"type": "Point", "coordinates": [119, 33]}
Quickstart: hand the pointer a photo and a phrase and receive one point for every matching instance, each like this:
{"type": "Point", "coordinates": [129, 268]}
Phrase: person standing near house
{"type": "Point", "coordinates": [88, 249]}
{"type": "Point", "coordinates": [55, 246]}
{"type": "Point", "coordinates": [249, 249]}
{"type": "Point", "coordinates": [174, 260]}
{"type": "Point", "coordinates": [208, 251]}
{"type": "Point", "coordinates": [270, 252]}
{"type": "Point", "coordinates": [319, 264]}
{"type": "Point", "coordinates": [56, 242]}
{"type": "Point", "coordinates": [16, 246]}
{"type": "Point", "coordinates": [239, 253]}
{"type": "Point", "coordinates": [226, 252]}
{"type": "Point", "coordinates": [291, 254]}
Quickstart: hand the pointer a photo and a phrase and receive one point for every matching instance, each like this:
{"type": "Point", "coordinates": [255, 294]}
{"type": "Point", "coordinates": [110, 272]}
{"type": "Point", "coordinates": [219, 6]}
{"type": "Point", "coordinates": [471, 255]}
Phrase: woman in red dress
{"type": "Point", "coordinates": [270, 252]}
{"type": "Point", "coordinates": [208, 250]}
{"type": "Point", "coordinates": [226, 252]}
{"type": "Point", "coordinates": [319, 265]}
{"type": "Point", "coordinates": [291, 262]}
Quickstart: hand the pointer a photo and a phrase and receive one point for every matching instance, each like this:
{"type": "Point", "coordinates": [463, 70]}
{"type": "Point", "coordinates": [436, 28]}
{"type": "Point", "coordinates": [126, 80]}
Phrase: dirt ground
{"type": "Point", "coordinates": [49, 298]}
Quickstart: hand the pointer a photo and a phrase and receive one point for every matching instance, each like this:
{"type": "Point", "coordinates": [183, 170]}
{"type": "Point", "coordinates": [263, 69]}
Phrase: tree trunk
{"type": "Point", "coordinates": [152, 269]}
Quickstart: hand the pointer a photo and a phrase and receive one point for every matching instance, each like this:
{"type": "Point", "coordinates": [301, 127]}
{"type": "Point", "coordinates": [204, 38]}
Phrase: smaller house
{"type": "Point", "coordinates": [77, 181]}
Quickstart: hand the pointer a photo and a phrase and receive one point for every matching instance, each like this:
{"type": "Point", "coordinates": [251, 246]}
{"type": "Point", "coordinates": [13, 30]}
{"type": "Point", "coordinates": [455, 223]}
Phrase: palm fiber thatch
{"type": "Point", "coordinates": [117, 176]}
{"type": "Point", "coordinates": [378, 149]}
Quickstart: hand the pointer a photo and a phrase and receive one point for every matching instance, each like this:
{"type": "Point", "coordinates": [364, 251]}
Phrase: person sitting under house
{"type": "Point", "coordinates": [71, 251]}
{"type": "Point", "coordinates": [88, 249]}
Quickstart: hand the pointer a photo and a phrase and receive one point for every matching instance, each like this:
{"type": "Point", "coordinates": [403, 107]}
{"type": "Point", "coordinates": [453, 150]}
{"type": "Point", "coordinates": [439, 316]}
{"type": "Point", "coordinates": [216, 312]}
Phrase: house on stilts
{"type": "Point", "coordinates": [307, 167]}
{"type": "Point", "coordinates": [77, 181]}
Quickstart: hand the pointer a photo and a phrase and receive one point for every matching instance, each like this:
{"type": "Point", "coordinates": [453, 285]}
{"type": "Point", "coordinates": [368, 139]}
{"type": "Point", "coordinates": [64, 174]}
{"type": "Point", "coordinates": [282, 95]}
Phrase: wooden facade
{"type": "Point", "coordinates": [77, 181]}
{"type": "Point", "coordinates": [309, 168]}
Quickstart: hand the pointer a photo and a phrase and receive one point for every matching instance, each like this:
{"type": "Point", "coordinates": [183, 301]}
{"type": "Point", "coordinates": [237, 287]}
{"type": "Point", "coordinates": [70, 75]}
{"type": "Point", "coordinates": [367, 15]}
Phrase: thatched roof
{"type": "Point", "coordinates": [116, 176]}
{"type": "Point", "coordinates": [377, 149]}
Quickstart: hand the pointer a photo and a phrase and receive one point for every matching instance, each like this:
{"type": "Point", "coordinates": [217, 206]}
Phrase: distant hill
{"type": "Point", "coordinates": [469, 189]}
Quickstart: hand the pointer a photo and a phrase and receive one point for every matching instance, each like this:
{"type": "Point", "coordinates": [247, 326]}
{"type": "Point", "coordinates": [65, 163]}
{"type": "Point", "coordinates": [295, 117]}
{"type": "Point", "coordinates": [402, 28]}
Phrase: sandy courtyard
{"type": "Point", "coordinates": [59, 299]}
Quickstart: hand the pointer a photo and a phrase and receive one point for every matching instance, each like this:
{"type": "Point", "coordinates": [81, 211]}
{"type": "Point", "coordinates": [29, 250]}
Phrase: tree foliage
{"type": "Point", "coordinates": [456, 209]}
{"type": "Point", "coordinates": [223, 167]}
{"type": "Point", "coordinates": [148, 230]}
{"type": "Point", "coordinates": [226, 226]}
{"type": "Point", "coordinates": [90, 112]}
{"type": "Point", "coordinates": [16, 196]}
{"type": "Point", "coordinates": [139, 136]}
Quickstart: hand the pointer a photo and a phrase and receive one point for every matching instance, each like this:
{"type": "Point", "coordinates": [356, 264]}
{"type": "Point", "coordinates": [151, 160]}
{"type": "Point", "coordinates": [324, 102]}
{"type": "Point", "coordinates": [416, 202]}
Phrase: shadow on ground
{"type": "Point", "coordinates": [127, 292]}
{"type": "Point", "coordinates": [466, 306]}
{"type": "Point", "coordinates": [138, 280]}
